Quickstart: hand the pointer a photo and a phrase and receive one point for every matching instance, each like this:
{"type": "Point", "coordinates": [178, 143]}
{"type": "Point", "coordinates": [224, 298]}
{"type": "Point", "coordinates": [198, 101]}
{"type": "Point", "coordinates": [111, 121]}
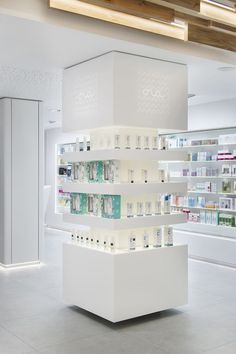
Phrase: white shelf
{"type": "Point", "coordinates": [202, 208]}
{"type": "Point", "coordinates": [203, 177]}
{"type": "Point", "coordinates": [122, 154]}
{"type": "Point", "coordinates": [119, 286]}
{"type": "Point", "coordinates": [125, 223]}
{"type": "Point", "coordinates": [125, 188]}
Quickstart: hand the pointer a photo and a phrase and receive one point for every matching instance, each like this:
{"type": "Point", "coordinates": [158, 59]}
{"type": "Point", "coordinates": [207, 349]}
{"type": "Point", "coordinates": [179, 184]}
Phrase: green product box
{"type": "Point", "coordinates": [111, 206]}
{"type": "Point", "coordinates": [95, 171]}
{"type": "Point", "coordinates": [79, 203]}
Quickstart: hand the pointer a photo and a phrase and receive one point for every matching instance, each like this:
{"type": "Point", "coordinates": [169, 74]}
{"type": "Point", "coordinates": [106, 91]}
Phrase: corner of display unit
{"type": "Point", "coordinates": [125, 285]}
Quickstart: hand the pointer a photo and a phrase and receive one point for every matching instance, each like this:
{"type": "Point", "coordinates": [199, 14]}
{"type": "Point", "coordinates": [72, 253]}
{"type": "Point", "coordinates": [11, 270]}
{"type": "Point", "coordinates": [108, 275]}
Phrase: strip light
{"type": "Point", "coordinates": [218, 11]}
{"type": "Point", "coordinates": [120, 18]}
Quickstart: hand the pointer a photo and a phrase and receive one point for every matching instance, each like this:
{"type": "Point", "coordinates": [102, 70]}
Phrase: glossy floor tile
{"type": "Point", "coordinates": [33, 318]}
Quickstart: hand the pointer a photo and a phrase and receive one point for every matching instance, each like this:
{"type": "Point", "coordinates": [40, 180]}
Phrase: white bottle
{"type": "Point", "coordinates": [117, 141]}
{"type": "Point", "coordinates": [85, 143]}
{"type": "Point", "coordinates": [127, 142]}
{"type": "Point", "coordinates": [138, 142]}
{"type": "Point", "coordinates": [131, 176]}
{"type": "Point", "coordinates": [168, 235]}
{"type": "Point", "coordinates": [132, 242]}
{"type": "Point", "coordinates": [162, 143]}
{"type": "Point", "coordinates": [157, 237]}
{"type": "Point", "coordinates": [148, 208]}
{"type": "Point", "coordinates": [145, 239]}
{"type": "Point", "coordinates": [146, 143]}
{"type": "Point", "coordinates": [161, 175]}
{"type": "Point", "coordinates": [73, 237]}
{"type": "Point", "coordinates": [144, 176]}
{"type": "Point", "coordinates": [77, 145]}
{"type": "Point", "coordinates": [139, 208]}
{"type": "Point", "coordinates": [130, 211]}
{"type": "Point", "coordinates": [112, 245]}
{"type": "Point", "coordinates": [155, 142]}
{"type": "Point", "coordinates": [157, 207]}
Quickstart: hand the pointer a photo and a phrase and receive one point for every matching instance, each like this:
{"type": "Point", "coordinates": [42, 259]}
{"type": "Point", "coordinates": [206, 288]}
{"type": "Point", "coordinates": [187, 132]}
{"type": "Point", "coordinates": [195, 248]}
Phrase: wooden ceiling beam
{"type": "Point", "coordinates": [139, 8]}
{"type": "Point", "coordinates": [192, 19]}
{"type": "Point", "coordinates": [187, 4]}
{"type": "Point", "coordinates": [221, 26]}
{"type": "Point", "coordinates": [211, 37]}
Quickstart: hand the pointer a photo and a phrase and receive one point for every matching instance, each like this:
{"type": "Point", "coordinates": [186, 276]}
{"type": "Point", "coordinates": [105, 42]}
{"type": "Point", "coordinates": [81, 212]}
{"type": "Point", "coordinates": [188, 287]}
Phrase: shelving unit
{"type": "Point", "coordinates": [109, 269]}
{"type": "Point", "coordinates": [188, 232]}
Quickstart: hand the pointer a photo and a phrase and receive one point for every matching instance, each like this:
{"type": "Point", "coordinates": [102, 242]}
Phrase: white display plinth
{"type": "Point", "coordinates": [125, 284]}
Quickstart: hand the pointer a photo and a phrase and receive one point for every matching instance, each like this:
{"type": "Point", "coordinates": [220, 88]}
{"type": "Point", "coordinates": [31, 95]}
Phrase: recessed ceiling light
{"type": "Point", "coordinates": [190, 95]}
{"type": "Point", "coordinates": [52, 121]}
{"type": "Point", "coordinates": [226, 68]}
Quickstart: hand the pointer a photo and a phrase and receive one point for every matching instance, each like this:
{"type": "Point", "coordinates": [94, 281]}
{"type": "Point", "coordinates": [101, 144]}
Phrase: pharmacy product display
{"type": "Point", "coordinates": [63, 174]}
{"type": "Point", "coordinates": [211, 176]}
{"type": "Point", "coordinates": [120, 196]}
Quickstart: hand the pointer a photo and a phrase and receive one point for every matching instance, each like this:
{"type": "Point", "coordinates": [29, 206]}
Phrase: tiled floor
{"type": "Point", "coordinates": [33, 318]}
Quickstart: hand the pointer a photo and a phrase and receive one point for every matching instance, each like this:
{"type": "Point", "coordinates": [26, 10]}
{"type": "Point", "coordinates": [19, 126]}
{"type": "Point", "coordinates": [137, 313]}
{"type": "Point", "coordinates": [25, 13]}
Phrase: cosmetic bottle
{"type": "Point", "coordinates": [77, 238]}
{"type": "Point", "coordinates": [146, 143]}
{"type": "Point", "coordinates": [117, 141]}
{"type": "Point", "coordinates": [127, 142]}
{"type": "Point", "coordinates": [106, 167]}
{"type": "Point", "coordinates": [162, 143]}
{"type": "Point", "coordinates": [138, 144]}
{"type": "Point", "coordinates": [132, 242]}
{"type": "Point", "coordinates": [87, 241]}
{"type": "Point", "coordinates": [157, 237]}
{"type": "Point", "coordinates": [155, 142]}
{"type": "Point", "coordinates": [148, 208]}
{"type": "Point", "coordinates": [97, 243]}
{"type": "Point", "coordinates": [157, 207]}
{"type": "Point", "coordinates": [77, 146]}
{"type": "Point", "coordinates": [168, 235]}
{"type": "Point", "coordinates": [131, 176]}
{"type": "Point", "coordinates": [144, 176]}
{"type": "Point", "coordinates": [161, 175]}
{"type": "Point", "coordinates": [139, 208]}
{"type": "Point", "coordinates": [145, 239]}
{"type": "Point", "coordinates": [166, 204]}
{"type": "Point", "coordinates": [112, 245]}
{"type": "Point", "coordinates": [105, 244]}
{"type": "Point", "coordinates": [91, 241]}
{"type": "Point", "coordinates": [130, 212]}
{"type": "Point", "coordinates": [81, 240]}
{"type": "Point", "coordinates": [73, 236]}
{"type": "Point", "coordinates": [85, 143]}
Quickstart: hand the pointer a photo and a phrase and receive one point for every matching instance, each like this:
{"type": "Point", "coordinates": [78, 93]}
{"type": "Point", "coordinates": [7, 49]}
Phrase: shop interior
{"type": "Point", "coordinates": [33, 316]}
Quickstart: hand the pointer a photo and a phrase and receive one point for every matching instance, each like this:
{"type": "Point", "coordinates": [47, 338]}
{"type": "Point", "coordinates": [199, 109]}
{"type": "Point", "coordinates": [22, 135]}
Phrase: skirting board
{"type": "Point", "coordinates": [18, 265]}
{"type": "Point", "coordinates": [122, 285]}
{"type": "Point", "coordinates": [209, 248]}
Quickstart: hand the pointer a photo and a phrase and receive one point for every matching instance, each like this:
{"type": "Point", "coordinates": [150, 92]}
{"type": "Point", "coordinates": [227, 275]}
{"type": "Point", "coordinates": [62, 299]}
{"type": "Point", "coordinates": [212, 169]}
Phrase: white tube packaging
{"type": "Point", "coordinates": [132, 242]}
{"type": "Point", "coordinates": [168, 235]}
{"type": "Point", "coordinates": [145, 239]}
{"type": "Point", "coordinates": [157, 237]}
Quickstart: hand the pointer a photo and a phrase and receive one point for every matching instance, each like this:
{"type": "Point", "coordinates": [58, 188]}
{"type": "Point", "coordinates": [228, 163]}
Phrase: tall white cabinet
{"type": "Point", "coordinates": [21, 182]}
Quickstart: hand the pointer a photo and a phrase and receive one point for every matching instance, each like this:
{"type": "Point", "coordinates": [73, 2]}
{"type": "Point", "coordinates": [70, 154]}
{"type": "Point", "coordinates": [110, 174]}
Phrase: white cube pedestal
{"type": "Point", "coordinates": [122, 285]}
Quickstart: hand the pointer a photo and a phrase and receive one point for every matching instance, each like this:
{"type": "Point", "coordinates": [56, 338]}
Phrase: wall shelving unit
{"type": "Point", "coordinates": [195, 233]}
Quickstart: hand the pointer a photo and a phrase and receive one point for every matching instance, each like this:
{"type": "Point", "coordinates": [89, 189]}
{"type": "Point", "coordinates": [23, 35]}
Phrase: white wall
{"type": "Point", "coordinates": [212, 115]}
{"type": "Point", "coordinates": [53, 137]}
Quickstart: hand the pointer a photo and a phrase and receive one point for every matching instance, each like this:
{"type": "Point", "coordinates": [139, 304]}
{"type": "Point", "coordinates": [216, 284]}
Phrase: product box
{"type": "Point", "coordinates": [111, 206]}
{"type": "Point", "coordinates": [214, 218]}
{"type": "Point", "coordinates": [79, 202]}
{"type": "Point", "coordinates": [226, 186]}
{"type": "Point", "coordinates": [208, 217]}
{"type": "Point", "coordinates": [226, 203]}
{"type": "Point", "coordinates": [95, 171]}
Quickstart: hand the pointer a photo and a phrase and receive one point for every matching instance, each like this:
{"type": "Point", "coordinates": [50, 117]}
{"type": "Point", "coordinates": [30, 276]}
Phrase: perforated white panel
{"type": "Point", "coordinates": [124, 89]}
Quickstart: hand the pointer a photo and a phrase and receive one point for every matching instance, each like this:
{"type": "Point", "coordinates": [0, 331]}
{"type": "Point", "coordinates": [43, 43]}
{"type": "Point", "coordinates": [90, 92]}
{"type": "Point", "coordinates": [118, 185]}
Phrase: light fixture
{"type": "Point", "coordinates": [54, 110]}
{"type": "Point", "coordinates": [220, 11]}
{"type": "Point", "coordinates": [226, 68]}
{"type": "Point", "coordinates": [52, 121]}
{"type": "Point", "coordinates": [191, 95]}
{"type": "Point", "coordinates": [121, 18]}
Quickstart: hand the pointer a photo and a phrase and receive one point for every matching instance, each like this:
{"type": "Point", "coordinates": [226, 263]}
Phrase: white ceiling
{"type": "Point", "coordinates": [34, 54]}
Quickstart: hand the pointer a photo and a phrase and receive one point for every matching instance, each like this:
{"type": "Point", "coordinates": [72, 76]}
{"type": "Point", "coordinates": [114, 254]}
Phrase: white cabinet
{"type": "Point", "coordinates": [21, 181]}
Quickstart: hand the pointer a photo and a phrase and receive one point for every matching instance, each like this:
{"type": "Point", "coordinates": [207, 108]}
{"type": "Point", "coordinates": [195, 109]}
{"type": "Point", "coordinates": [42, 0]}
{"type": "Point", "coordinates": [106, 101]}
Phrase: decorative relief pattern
{"type": "Point", "coordinates": [153, 93]}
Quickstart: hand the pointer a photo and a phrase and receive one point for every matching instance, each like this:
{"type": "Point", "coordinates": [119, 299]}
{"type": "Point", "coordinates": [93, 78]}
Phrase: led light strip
{"type": "Point", "coordinates": [150, 25]}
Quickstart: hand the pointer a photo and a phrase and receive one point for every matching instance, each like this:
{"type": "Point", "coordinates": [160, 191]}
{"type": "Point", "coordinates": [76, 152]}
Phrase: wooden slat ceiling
{"type": "Point", "coordinates": [202, 29]}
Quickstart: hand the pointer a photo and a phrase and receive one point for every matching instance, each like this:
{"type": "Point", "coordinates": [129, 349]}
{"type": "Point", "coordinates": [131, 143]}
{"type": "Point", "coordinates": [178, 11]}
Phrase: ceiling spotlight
{"type": "Point", "coordinates": [52, 121]}
{"type": "Point", "coordinates": [190, 95]}
{"type": "Point", "coordinates": [226, 68]}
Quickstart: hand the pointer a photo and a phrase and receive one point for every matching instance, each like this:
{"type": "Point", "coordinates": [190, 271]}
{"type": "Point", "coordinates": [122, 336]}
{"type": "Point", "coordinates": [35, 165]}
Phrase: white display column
{"type": "Point", "coordinates": [125, 265]}
{"type": "Point", "coordinates": [21, 182]}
